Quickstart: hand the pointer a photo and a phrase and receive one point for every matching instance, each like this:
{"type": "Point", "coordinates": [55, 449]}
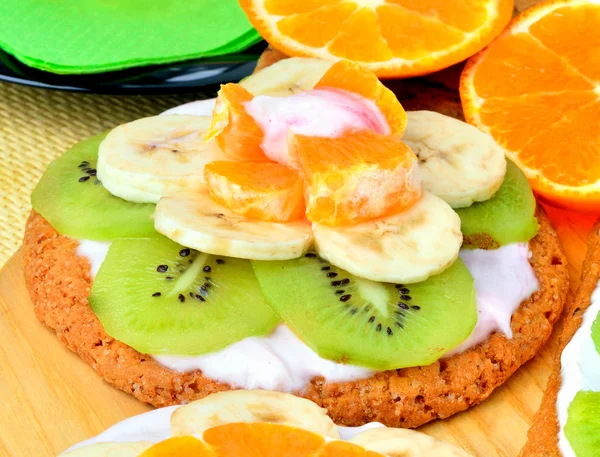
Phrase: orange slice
{"type": "Point", "coordinates": [393, 38]}
{"type": "Point", "coordinates": [536, 90]}
{"type": "Point", "coordinates": [360, 176]}
{"type": "Point", "coordinates": [350, 76]}
{"type": "Point", "coordinates": [262, 440]}
{"type": "Point", "coordinates": [180, 446]}
{"type": "Point", "coordinates": [233, 129]}
{"type": "Point", "coordinates": [266, 191]}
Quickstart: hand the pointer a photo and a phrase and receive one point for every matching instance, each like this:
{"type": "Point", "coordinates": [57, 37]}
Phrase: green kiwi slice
{"type": "Point", "coordinates": [161, 298]}
{"type": "Point", "coordinates": [507, 217]}
{"type": "Point", "coordinates": [596, 333]}
{"type": "Point", "coordinates": [583, 424]}
{"type": "Point", "coordinates": [360, 322]}
{"type": "Point", "coordinates": [74, 201]}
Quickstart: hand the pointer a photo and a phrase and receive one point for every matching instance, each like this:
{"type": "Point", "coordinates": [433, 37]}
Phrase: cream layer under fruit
{"type": "Point", "coordinates": [280, 361]}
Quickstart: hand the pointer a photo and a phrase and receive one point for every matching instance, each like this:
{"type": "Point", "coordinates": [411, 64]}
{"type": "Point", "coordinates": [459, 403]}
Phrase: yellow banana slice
{"type": "Point", "coordinates": [196, 221]}
{"type": "Point", "coordinates": [251, 406]}
{"type": "Point", "coordinates": [287, 77]}
{"type": "Point", "coordinates": [403, 248]}
{"type": "Point", "coordinates": [110, 450]}
{"type": "Point", "coordinates": [145, 159]}
{"type": "Point", "coordinates": [395, 442]}
{"type": "Point", "coordinates": [457, 162]}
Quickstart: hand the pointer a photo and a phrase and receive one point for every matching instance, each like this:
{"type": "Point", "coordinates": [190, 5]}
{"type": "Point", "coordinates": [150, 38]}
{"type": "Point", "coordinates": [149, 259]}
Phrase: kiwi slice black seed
{"type": "Point", "coordinates": [73, 200]}
{"type": "Point", "coordinates": [162, 298]}
{"type": "Point", "coordinates": [507, 217]}
{"type": "Point", "coordinates": [360, 322]}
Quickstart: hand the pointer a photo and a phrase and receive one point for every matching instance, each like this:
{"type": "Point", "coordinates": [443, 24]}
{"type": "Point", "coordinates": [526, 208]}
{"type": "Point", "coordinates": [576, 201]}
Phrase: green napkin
{"type": "Point", "coordinates": [91, 36]}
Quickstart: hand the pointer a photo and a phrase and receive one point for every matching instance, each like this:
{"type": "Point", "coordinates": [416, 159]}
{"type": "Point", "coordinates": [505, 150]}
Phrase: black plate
{"type": "Point", "coordinates": [158, 79]}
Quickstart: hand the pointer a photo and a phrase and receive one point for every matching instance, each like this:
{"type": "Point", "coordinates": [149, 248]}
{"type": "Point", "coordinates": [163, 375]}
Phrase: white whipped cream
{"type": "Point", "coordinates": [94, 251]}
{"type": "Point", "coordinates": [280, 361]}
{"type": "Point", "coordinates": [155, 426]}
{"type": "Point", "coordinates": [580, 369]}
{"type": "Point", "coordinates": [503, 279]}
{"type": "Point", "coordinates": [317, 112]}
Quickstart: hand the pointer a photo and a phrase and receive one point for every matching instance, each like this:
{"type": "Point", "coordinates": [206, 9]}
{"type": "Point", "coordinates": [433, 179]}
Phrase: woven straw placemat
{"type": "Point", "coordinates": [37, 125]}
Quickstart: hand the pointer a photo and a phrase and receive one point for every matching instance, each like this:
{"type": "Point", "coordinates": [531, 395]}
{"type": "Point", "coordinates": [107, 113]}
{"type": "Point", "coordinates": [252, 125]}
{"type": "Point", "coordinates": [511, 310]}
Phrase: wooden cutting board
{"type": "Point", "coordinates": [50, 399]}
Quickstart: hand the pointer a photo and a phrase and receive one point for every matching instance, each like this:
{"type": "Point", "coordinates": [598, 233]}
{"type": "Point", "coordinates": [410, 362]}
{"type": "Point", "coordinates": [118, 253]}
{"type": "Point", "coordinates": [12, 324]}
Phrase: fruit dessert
{"type": "Point", "coordinates": [254, 423]}
{"type": "Point", "coordinates": [300, 233]}
{"type": "Point", "coordinates": [568, 421]}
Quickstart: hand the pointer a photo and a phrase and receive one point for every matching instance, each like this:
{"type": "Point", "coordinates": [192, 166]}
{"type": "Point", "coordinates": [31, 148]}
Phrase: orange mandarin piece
{"type": "Point", "coordinates": [357, 177]}
{"type": "Point", "coordinates": [345, 449]}
{"type": "Point", "coordinates": [350, 76]}
{"type": "Point", "coordinates": [266, 191]}
{"type": "Point", "coordinates": [233, 129]}
{"type": "Point", "coordinates": [262, 440]}
{"type": "Point", "coordinates": [180, 446]}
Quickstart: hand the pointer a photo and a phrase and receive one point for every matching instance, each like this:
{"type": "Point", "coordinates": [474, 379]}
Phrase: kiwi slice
{"type": "Point", "coordinates": [583, 424]}
{"type": "Point", "coordinates": [161, 298]}
{"type": "Point", "coordinates": [73, 200]}
{"type": "Point", "coordinates": [507, 217]}
{"type": "Point", "coordinates": [360, 322]}
{"type": "Point", "coordinates": [596, 333]}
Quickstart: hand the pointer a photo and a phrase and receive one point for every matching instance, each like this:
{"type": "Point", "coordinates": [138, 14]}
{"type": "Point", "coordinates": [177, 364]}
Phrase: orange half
{"type": "Point", "coordinates": [357, 177]}
{"type": "Point", "coordinates": [536, 90]}
{"type": "Point", "coordinates": [266, 191]}
{"type": "Point", "coordinates": [393, 38]}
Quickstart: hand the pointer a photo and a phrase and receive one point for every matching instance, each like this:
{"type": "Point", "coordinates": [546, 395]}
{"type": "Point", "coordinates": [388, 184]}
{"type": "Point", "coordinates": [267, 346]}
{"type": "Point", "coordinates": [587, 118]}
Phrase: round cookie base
{"type": "Point", "coordinates": [59, 283]}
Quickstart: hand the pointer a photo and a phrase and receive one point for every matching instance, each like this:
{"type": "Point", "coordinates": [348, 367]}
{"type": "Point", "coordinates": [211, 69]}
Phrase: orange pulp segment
{"type": "Point", "coordinates": [350, 76]}
{"type": "Point", "coordinates": [344, 449]}
{"type": "Point", "coordinates": [393, 38]}
{"type": "Point", "coordinates": [233, 129]}
{"type": "Point", "coordinates": [266, 191]}
{"type": "Point", "coordinates": [262, 440]}
{"type": "Point", "coordinates": [356, 177]}
{"type": "Point", "coordinates": [180, 446]}
{"type": "Point", "coordinates": [536, 90]}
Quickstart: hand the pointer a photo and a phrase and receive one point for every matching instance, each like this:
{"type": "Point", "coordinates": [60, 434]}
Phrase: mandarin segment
{"type": "Point", "coordinates": [357, 177]}
{"type": "Point", "coordinates": [517, 65]}
{"type": "Point", "coordinates": [359, 39]}
{"type": "Point", "coordinates": [233, 129]}
{"type": "Point", "coordinates": [352, 77]}
{"type": "Point", "coordinates": [571, 22]}
{"type": "Point", "coordinates": [301, 26]}
{"type": "Point", "coordinates": [345, 449]}
{"type": "Point", "coordinates": [180, 446]}
{"type": "Point", "coordinates": [466, 15]}
{"type": "Point", "coordinates": [266, 191]}
{"type": "Point", "coordinates": [513, 122]}
{"type": "Point", "coordinates": [287, 7]}
{"type": "Point", "coordinates": [262, 440]}
{"type": "Point", "coordinates": [535, 90]}
{"type": "Point", "coordinates": [419, 33]}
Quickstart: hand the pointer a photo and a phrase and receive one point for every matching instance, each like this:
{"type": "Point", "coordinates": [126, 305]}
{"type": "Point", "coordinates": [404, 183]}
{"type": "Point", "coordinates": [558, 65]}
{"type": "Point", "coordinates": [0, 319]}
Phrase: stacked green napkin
{"type": "Point", "coordinates": [91, 36]}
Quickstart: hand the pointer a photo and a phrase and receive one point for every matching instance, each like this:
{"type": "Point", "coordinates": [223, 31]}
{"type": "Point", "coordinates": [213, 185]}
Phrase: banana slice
{"type": "Point", "coordinates": [145, 159]}
{"type": "Point", "coordinates": [109, 450]}
{"type": "Point", "coordinates": [287, 77]}
{"type": "Point", "coordinates": [395, 442]}
{"type": "Point", "coordinates": [457, 162]}
{"type": "Point", "coordinates": [251, 406]}
{"type": "Point", "coordinates": [196, 221]}
{"type": "Point", "coordinates": [403, 248]}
